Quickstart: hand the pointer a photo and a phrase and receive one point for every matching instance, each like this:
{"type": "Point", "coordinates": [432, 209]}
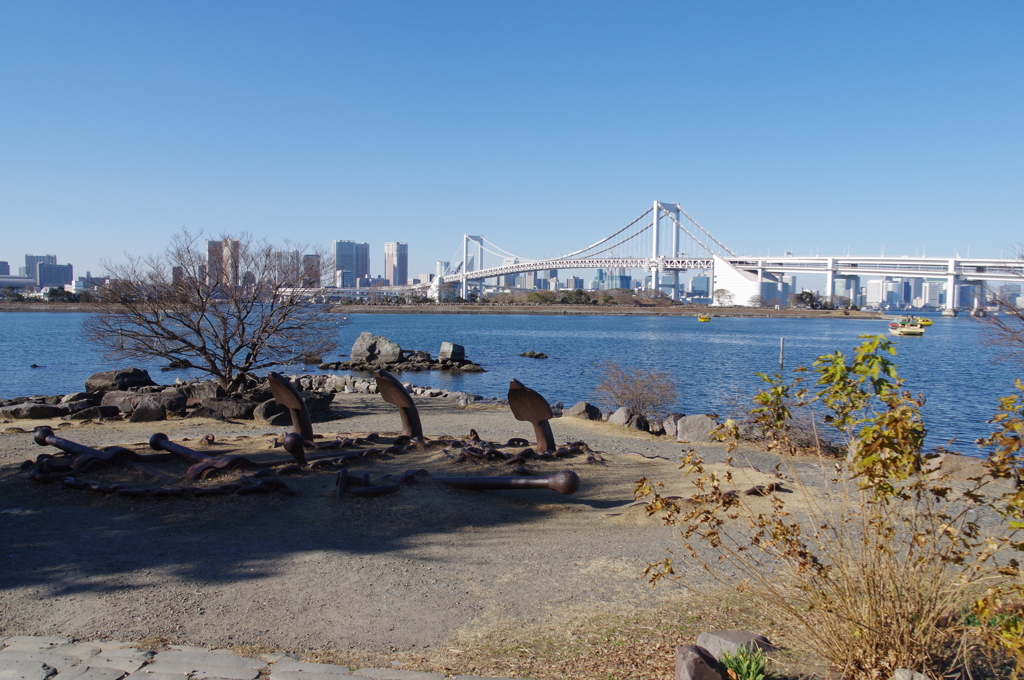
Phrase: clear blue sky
{"type": "Point", "coordinates": [809, 127]}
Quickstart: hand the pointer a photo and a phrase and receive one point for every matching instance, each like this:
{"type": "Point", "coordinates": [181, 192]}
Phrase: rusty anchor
{"type": "Point", "coordinates": [394, 393]}
{"type": "Point", "coordinates": [87, 458]}
{"type": "Point", "coordinates": [287, 395]}
{"type": "Point", "coordinates": [202, 464]}
{"type": "Point", "coordinates": [529, 406]}
{"type": "Point", "coordinates": [564, 482]}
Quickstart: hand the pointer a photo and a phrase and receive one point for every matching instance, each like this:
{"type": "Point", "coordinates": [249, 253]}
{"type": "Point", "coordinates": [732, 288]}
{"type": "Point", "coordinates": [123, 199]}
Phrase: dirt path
{"type": "Point", "coordinates": [427, 568]}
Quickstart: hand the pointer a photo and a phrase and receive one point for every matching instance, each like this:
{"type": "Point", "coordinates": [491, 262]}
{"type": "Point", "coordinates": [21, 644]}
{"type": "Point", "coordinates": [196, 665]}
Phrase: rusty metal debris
{"type": "Point", "coordinates": [394, 393]}
{"type": "Point", "coordinates": [202, 465]}
{"type": "Point", "coordinates": [527, 405]}
{"type": "Point", "coordinates": [564, 482]}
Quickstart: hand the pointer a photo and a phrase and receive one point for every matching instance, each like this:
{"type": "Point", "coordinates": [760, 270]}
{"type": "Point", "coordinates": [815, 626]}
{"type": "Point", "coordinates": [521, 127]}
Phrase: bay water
{"type": "Point", "coordinates": [955, 365]}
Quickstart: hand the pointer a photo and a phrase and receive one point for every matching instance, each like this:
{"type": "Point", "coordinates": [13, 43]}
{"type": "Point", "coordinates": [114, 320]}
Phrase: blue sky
{"type": "Point", "coordinates": [808, 127]}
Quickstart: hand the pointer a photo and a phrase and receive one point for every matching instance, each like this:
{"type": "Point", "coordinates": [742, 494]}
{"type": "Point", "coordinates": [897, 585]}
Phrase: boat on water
{"type": "Point", "coordinates": [703, 317]}
{"type": "Point", "coordinates": [906, 327]}
{"type": "Point", "coordinates": [924, 320]}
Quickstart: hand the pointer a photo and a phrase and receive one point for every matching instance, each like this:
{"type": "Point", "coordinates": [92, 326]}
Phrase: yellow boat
{"type": "Point", "coordinates": [703, 317]}
{"type": "Point", "coordinates": [906, 326]}
{"type": "Point", "coordinates": [923, 320]}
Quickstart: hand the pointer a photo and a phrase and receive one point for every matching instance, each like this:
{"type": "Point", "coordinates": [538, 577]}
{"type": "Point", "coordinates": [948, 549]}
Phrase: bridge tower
{"type": "Point", "coordinates": [468, 264]}
{"type": "Point", "coordinates": [657, 255]}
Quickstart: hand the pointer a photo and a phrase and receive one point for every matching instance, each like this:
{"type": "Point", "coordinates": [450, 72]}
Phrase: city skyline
{"type": "Point", "coordinates": [801, 128]}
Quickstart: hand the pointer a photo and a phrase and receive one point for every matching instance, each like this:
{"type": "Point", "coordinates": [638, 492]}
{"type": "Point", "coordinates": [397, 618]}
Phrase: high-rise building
{"type": "Point", "coordinates": [440, 267]}
{"type": "Point", "coordinates": [33, 261]}
{"type": "Point", "coordinates": [311, 271]}
{"type": "Point", "coordinates": [5, 268]}
{"type": "Point", "coordinates": [351, 257]}
{"type": "Point", "coordinates": [700, 286]}
{"type": "Point", "coordinates": [222, 262]}
{"type": "Point", "coordinates": [54, 275]}
{"type": "Point", "coordinates": [396, 263]}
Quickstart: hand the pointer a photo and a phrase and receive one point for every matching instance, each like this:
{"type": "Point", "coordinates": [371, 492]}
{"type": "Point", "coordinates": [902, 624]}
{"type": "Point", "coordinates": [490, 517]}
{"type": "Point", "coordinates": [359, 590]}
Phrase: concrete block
{"type": "Point", "coordinates": [143, 675]}
{"type": "Point", "coordinates": [83, 672]}
{"type": "Point", "coordinates": [29, 643]}
{"type": "Point", "coordinates": [52, 659]}
{"type": "Point", "coordinates": [127, 659]}
{"type": "Point", "coordinates": [396, 674]}
{"type": "Point", "coordinates": [25, 670]}
{"type": "Point", "coordinates": [718, 641]}
{"type": "Point", "coordinates": [290, 669]}
{"type": "Point", "coordinates": [200, 663]}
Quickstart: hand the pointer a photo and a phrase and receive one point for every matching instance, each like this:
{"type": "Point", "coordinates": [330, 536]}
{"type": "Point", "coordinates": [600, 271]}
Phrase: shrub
{"type": "Point", "coordinates": [642, 392]}
{"type": "Point", "coordinates": [746, 664]}
{"type": "Point", "coordinates": [882, 568]}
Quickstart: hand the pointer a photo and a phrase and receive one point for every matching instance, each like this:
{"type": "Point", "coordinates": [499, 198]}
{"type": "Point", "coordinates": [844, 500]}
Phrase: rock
{"type": "Point", "coordinates": [718, 641]}
{"type": "Point", "coordinates": [624, 417]}
{"type": "Point", "coordinates": [94, 412]}
{"type": "Point", "coordinates": [231, 409]}
{"type": "Point", "coordinates": [120, 379]}
{"type": "Point", "coordinates": [204, 389]}
{"type": "Point", "coordinates": [534, 355]}
{"type": "Point", "coordinates": [907, 674]}
{"type": "Point", "coordinates": [127, 402]}
{"type": "Point", "coordinates": [695, 428]}
{"type": "Point", "coordinates": [556, 409]}
{"type": "Point", "coordinates": [34, 411]}
{"type": "Point", "coordinates": [81, 396]}
{"type": "Point", "coordinates": [670, 423]}
{"type": "Point", "coordinates": [584, 410]}
{"type": "Point", "coordinates": [656, 427]}
{"type": "Point", "coordinates": [696, 663]}
{"type": "Point", "coordinates": [451, 352]}
{"type": "Point", "coordinates": [148, 410]}
{"type": "Point", "coordinates": [309, 358]}
{"type": "Point", "coordinates": [472, 368]}
{"type": "Point", "coordinates": [375, 348]}
{"type": "Point", "coordinates": [269, 409]}
{"type": "Point", "coordinates": [81, 404]}
{"type": "Point", "coordinates": [318, 402]}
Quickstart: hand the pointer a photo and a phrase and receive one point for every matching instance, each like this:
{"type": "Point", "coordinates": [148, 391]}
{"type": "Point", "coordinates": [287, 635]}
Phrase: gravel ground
{"type": "Point", "coordinates": [427, 568]}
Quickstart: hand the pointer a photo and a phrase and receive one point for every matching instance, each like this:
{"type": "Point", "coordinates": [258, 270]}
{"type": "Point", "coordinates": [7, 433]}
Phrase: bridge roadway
{"type": "Point", "coordinates": [952, 269]}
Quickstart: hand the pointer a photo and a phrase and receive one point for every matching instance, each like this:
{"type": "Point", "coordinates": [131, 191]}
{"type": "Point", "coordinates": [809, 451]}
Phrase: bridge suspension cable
{"type": "Point", "coordinates": [710, 236]}
{"type": "Point", "coordinates": [616, 245]}
{"type": "Point", "coordinates": [606, 239]}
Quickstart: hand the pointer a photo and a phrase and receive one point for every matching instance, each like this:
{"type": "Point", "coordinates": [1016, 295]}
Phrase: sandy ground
{"type": "Point", "coordinates": [426, 568]}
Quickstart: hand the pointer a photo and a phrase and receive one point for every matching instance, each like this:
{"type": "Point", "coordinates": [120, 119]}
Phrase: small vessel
{"type": "Point", "coordinates": [906, 326]}
{"type": "Point", "coordinates": [703, 317]}
{"type": "Point", "coordinates": [924, 320]}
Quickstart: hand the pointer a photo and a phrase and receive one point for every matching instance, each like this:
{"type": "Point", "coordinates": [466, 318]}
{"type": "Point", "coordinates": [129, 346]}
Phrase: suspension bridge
{"type": "Point", "coordinates": [666, 241]}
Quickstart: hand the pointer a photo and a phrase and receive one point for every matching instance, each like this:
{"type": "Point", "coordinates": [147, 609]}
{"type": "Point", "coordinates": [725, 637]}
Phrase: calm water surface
{"type": "Point", "coordinates": [954, 365]}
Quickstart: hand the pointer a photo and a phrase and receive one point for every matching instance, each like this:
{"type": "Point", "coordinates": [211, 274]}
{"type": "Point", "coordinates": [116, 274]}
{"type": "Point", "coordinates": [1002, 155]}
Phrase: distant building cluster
{"type": "Point", "coordinates": [42, 273]}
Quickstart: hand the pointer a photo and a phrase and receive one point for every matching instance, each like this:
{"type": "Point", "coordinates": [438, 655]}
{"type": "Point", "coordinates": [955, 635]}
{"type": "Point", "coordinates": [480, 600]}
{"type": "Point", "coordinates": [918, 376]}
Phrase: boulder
{"type": "Point", "coordinates": [583, 410]}
{"type": "Point", "coordinates": [696, 663]}
{"type": "Point", "coordinates": [318, 403]}
{"type": "Point", "coordinates": [451, 352]}
{"type": "Point", "coordinates": [148, 410]}
{"type": "Point", "coordinates": [534, 355]}
{"type": "Point", "coordinates": [120, 379]}
{"type": "Point", "coordinates": [230, 409]}
{"type": "Point", "coordinates": [695, 428]}
{"type": "Point", "coordinates": [370, 348]}
{"type": "Point", "coordinates": [310, 358]}
{"type": "Point", "coordinates": [34, 411]}
{"type": "Point", "coordinates": [731, 641]}
{"type": "Point", "coordinates": [81, 404]}
{"type": "Point", "coordinates": [670, 423]}
{"type": "Point", "coordinates": [127, 402]}
{"type": "Point", "coordinates": [204, 389]}
{"type": "Point", "coordinates": [94, 412]}
{"type": "Point", "coordinates": [269, 409]}
{"type": "Point", "coordinates": [623, 416]}
{"type": "Point", "coordinates": [81, 396]}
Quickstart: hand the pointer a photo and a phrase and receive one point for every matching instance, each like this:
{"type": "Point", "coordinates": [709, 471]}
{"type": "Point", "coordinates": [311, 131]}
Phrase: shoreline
{"type": "Point", "coordinates": [513, 310]}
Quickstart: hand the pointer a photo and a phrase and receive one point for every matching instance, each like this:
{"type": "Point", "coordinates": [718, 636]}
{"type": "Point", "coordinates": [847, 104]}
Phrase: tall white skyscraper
{"type": "Point", "coordinates": [396, 263]}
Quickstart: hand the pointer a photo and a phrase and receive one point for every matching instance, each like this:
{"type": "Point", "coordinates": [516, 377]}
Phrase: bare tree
{"type": "Point", "coordinates": [228, 307]}
{"type": "Point", "coordinates": [723, 297]}
{"type": "Point", "coordinates": [642, 392]}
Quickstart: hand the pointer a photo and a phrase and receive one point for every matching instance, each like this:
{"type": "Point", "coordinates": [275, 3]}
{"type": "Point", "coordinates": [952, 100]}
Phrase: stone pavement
{"type": "Point", "coordinates": [59, 658]}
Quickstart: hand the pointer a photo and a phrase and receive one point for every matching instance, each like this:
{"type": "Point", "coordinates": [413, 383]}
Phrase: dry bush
{"type": "Point", "coordinates": [886, 564]}
{"type": "Point", "coordinates": [642, 392]}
